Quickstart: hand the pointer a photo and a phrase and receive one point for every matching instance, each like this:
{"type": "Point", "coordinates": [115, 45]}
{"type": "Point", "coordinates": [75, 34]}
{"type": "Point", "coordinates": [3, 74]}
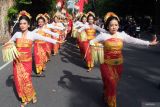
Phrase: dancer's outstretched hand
{"type": "Point", "coordinates": [153, 43]}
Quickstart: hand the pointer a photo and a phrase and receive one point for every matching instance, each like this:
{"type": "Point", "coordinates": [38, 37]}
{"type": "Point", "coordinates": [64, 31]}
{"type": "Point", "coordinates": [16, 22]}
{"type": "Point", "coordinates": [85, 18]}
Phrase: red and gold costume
{"type": "Point", "coordinates": [56, 47]}
{"type": "Point", "coordinates": [22, 70]}
{"type": "Point", "coordinates": [40, 54]}
{"type": "Point", "coordinates": [112, 66]}
{"type": "Point", "coordinates": [111, 70]}
{"type": "Point", "coordinates": [90, 32]}
{"type": "Point", "coordinates": [48, 45]}
{"type": "Point", "coordinates": [21, 53]}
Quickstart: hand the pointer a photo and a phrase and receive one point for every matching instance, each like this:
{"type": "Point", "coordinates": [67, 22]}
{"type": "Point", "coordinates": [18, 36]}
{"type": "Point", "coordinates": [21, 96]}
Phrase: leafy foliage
{"type": "Point", "coordinates": [31, 6]}
{"type": "Point", "coordinates": [100, 7]}
{"type": "Point", "coordinates": [11, 13]}
{"type": "Point", "coordinates": [24, 1]}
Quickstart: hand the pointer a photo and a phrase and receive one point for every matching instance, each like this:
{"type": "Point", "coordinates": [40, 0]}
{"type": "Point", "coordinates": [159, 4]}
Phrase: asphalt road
{"type": "Point", "coordinates": [68, 84]}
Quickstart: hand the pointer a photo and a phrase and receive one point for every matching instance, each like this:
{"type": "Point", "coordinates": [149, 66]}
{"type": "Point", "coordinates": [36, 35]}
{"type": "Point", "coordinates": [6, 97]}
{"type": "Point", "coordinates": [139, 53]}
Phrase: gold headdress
{"type": "Point", "coordinates": [78, 15]}
{"type": "Point", "coordinates": [59, 15]}
{"type": "Point", "coordinates": [24, 13]}
{"type": "Point", "coordinates": [90, 13]}
{"type": "Point", "coordinates": [41, 15]}
{"type": "Point", "coordinates": [109, 14]}
{"type": "Point", "coordinates": [83, 14]}
{"type": "Point", "coordinates": [47, 15]}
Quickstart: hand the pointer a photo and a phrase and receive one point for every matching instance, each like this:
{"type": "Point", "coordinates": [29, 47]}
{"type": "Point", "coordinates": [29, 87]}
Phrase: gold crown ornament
{"type": "Point", "coordinates": [24, 13]}
{"type": "Point", "coordinates": [90, 13]}
{"type": "Point", "coordinates": [110, 14]}
{"type": "Point", "coordinates": [41, 15]}
{"type": "Point", "coordinates": [47, 15]}
{"type": "Point", "coordinates": [83, 14]}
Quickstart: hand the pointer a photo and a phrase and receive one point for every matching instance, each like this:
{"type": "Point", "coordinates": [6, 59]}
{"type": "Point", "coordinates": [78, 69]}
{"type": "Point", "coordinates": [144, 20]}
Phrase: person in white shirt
{"type": "Point", "coordinates": [41, 48]}
{"type": "Point", "coordinates": [111, 68]}
{"type": "Point", "coordinates": [56, 27]}
{"type": "Point", "coordinates": [22, 65]}
{"type": "Point", "coordinates": [87, 33]}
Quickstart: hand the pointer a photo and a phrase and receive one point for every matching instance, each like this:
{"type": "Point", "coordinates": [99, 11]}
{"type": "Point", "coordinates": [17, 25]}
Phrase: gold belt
{"type": "Point", "coordinates": [117, 61]}
{"type": "Point", "coordinates": [39, 41]}
{"type": "Point", "coordinates": [90, 37]}
{"type": "Point", "coordinates": [23, 45]}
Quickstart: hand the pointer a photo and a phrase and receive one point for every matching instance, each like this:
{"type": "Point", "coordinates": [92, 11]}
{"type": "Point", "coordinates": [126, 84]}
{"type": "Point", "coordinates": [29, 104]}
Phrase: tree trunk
{"type": "Point", "coordinates": [4, 6]}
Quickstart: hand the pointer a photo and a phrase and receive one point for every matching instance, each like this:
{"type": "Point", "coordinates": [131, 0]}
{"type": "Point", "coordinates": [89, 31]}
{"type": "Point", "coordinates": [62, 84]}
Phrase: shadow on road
{"type": "Point", "coordinates": [71, 54]}
{"type": "Point", "coordinates": [86, 91]}
{"type": "Point", "coordinates": [10, 83]}
{"type": "Point", "coordinates": [141, 77]}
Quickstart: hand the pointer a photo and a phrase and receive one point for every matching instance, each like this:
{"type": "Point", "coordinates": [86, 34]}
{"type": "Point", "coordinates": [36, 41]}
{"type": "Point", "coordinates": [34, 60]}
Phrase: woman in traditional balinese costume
{"type": "Point", "coordinates": [112, 65]}
{"type": "Point", "coordinates": [58, 30]}
{"type": "Point", "coordinates": [22, 64]}
{"type": "Point", "coordinates": [48, 45]}
{"type": "Point", "coordinates": [76, 25]}
{"type": "Point", "coordinates": [40, 47]}
{"type": "Point", "coordinates": [88, 32]}
{"type": "Point", "coordinates": [83, 22]}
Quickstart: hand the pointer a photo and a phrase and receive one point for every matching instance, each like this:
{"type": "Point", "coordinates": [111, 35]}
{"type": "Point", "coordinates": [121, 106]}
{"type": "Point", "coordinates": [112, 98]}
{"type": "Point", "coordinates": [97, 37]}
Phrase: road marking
{"type": "Point", "coordinates": [3, 66]}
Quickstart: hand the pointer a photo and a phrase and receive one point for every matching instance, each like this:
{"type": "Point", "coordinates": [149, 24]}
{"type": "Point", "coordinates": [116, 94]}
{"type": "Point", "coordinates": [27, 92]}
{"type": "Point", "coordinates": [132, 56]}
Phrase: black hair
{"type": "Point", "coordinates": [90, 15]}
{"type": "Point", "coordinates": [25, 18]}
{"type": "Point", "coordinates": [83, 17]}
{"type": "Point", "coordinates": [106, 24]}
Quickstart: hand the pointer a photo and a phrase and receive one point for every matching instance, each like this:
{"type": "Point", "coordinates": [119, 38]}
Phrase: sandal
{"type": "Point", "coordinates": [89, 69]}
{"type": "Point", "coordinates": [34, 100]}
{"type": "Point", "coordinates": [24, 104]}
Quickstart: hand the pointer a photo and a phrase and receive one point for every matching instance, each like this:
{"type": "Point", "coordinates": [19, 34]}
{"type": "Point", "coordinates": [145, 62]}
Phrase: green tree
{"type": "Point", "coordinates": [31, 7]}
{"type": "Point", "coordinates": [103, 6]}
